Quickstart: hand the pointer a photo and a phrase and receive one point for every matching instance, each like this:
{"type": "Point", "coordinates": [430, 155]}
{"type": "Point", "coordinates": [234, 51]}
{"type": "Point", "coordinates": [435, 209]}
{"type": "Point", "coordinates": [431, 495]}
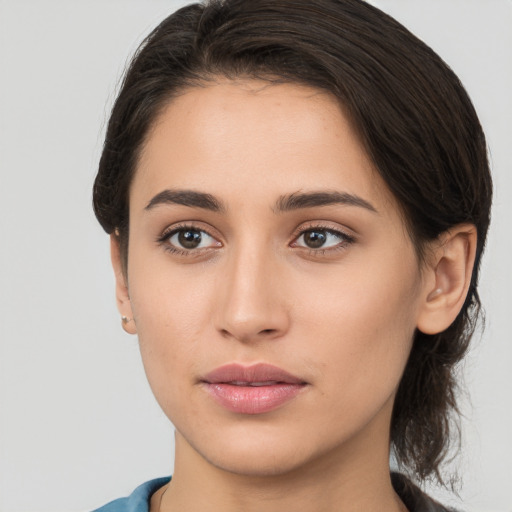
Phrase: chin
{"type": "Point", "coordinates": [257, 463]}
{"type": "Point", "coordinates": [260, 455]}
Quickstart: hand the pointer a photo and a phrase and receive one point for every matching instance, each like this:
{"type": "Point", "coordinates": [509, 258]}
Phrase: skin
{"type": "Point", "coordinates": [341, 316]}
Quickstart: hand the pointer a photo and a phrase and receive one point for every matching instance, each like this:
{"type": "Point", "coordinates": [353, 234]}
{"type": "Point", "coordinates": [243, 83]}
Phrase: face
{"type": "Point", "coordinates": [273, 286]}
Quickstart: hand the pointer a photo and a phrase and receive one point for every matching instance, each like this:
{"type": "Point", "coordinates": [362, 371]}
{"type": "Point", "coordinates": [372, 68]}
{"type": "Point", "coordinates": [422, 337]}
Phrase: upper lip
{"type": "Point", "coordinates": [260, 373]}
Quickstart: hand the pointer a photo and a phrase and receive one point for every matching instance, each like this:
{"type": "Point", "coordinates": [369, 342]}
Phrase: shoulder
{"type": "Point", "coordinates": [138, 501]}
{"type": "Point", "coordinates": [414, 498]}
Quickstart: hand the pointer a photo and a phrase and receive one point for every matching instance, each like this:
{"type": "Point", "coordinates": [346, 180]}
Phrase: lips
{"type": "Point", "coordinates": [252, 389]}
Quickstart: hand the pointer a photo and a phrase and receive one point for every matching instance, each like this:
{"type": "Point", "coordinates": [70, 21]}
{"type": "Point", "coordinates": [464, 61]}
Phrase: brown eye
{"type": "Point", "coordinates": [321, 238]}
{"type": "Point", "coordinates": [190, 239]}
{"type": "Point", "coordinates": [315, 239]}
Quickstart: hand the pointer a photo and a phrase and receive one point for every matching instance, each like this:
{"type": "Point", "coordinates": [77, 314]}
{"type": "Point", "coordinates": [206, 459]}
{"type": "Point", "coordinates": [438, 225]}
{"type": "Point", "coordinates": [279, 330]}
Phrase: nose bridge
{"type": "Point", "coordinates": [252, 305]}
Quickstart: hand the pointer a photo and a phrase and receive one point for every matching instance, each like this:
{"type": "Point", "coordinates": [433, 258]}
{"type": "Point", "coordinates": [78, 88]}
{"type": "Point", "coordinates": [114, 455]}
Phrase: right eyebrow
{"type": "Point", "coordinates": [189, 198]}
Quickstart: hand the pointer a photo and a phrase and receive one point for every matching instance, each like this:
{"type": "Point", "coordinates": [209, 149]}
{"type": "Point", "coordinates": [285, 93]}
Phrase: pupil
{"type": "Point", "coordinates": [315, 239]}
{"type": "Point", "coordinates": [189, 239]}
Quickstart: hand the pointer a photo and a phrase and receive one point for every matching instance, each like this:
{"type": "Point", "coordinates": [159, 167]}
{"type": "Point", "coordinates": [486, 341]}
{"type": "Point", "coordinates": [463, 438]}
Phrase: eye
{"type": "Point", "coordinates": [184, 239]}
{"type": "Point", "coordinates": [322, 238]}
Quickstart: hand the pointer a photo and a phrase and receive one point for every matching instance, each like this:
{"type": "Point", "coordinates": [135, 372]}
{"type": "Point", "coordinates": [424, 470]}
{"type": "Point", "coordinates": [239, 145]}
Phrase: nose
{"type": "Point", "coordinates": [252, 303]}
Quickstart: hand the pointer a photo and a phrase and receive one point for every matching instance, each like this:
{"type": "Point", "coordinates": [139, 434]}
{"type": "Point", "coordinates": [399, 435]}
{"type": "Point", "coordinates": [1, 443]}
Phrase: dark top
{"type": "Point", "coordinates": [414, 499]}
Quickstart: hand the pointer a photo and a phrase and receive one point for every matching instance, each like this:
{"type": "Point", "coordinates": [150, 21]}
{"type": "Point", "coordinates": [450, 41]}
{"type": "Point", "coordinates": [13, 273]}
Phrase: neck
{"type": "Point", "coordinates": [347, 479]}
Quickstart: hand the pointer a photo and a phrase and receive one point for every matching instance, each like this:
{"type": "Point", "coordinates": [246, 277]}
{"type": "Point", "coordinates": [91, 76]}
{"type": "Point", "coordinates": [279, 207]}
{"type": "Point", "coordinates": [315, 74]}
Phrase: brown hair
{"type": "Point", "coordinates": [411, 112]}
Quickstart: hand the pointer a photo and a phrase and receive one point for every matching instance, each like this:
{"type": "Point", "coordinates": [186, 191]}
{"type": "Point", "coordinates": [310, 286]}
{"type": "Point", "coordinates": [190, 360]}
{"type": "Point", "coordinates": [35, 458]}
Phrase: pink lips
{"type": "Point", "coordinates": [252, 389]}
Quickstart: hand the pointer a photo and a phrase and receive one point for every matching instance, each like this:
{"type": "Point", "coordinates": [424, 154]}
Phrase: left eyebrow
{"type": "Point", "coordinates": [299, 200]}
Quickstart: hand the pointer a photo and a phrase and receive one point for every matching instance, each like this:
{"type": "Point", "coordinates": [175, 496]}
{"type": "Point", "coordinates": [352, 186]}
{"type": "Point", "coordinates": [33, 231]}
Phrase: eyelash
{"type": "Point", "coordinates": [169, 233]}
{"type": "Point", "coordinates": [345, 240]}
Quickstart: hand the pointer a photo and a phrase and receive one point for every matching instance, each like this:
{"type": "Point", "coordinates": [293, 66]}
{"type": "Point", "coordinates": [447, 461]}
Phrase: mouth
{"type": "Point", "coordinates": [254, 384]}
{"type": "Point", "coordinates": [254, 389]}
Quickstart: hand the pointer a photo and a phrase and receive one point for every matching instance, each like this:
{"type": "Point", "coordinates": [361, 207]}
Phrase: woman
{"type": "Point", "coordinates": [298, 196]}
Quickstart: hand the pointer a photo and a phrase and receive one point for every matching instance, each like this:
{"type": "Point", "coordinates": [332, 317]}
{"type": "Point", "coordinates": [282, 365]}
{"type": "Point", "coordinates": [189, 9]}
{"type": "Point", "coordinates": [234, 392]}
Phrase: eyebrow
{"type": "Point", "coordinates": [290, 202]}
{"type": "Point", "coordinates": [299, 200]}
{"type": "Point", "coordinates": [189, 198]}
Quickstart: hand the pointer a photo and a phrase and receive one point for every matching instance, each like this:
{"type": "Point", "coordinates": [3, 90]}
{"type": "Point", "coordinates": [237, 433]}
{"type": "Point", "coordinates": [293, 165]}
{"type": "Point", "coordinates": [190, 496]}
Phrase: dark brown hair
{"type": "Point", "coordinates": [410, 110]}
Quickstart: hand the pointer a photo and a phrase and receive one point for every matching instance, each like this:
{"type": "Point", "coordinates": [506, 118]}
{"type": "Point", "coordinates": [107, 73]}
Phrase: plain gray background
{"type": "Point", "coordinates": [78, 424]}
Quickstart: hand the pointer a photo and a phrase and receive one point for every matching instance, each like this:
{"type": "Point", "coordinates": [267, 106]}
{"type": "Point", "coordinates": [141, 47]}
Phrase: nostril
{"type": "Point", "coordinates": [246, 336]}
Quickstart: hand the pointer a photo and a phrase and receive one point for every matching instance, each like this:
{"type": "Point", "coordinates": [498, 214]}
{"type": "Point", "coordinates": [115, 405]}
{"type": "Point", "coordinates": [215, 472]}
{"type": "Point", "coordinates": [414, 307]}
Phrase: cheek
{"type": "Point", "coordinates": [363, 321]}
{"type": "Point", "coordinates": [166, 298]}
{"type": "Point", "coordinates": [172, 317]}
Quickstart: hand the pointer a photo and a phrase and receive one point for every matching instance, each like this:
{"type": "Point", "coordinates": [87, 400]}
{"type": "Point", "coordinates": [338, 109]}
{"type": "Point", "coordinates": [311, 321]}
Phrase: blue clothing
{"type": "Point", "coordinates": [139, 499]}
{"type": "Point", "coordinates": [415, 500]}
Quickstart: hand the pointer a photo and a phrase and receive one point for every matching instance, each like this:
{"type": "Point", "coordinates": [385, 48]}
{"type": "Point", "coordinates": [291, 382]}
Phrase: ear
{"type": "Point", "coordinates": [122, 295]}
{"type": "Point", "coordinates": [447, 278]}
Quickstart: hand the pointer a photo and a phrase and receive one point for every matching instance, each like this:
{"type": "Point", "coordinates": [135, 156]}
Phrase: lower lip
{"type": "Point", "coordinates": [253, 399]}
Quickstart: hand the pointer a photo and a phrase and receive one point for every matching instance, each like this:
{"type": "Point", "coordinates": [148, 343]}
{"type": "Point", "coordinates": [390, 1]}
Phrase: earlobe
{"type": "Point", "coordinates": [450, 269]}
{"type": "Point", "coordinates": [122, 295]}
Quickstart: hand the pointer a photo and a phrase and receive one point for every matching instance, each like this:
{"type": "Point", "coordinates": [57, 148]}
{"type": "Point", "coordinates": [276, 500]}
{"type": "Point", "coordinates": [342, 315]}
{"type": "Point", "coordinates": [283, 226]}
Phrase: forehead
{"type": "Point", "coordinates": [254, 138]}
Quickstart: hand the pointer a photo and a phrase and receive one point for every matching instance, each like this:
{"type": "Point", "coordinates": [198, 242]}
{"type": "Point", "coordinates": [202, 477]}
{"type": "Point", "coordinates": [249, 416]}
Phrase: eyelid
{"type": "Point", "coordinates": [196, 225]}
{"type": "Point", "coordinates": [324, 226]}
{"type": "Point", "coordinates": [345, 235]}
{"type": "Point", "coordinates": [170, 231]}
